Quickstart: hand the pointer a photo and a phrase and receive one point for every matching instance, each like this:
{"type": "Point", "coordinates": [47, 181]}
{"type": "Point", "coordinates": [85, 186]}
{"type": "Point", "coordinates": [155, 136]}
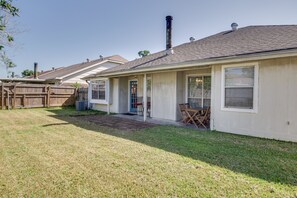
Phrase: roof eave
{"type": "Point", "coordinates": [94, 65]}
{"type": "Point", "coordinates": [22, 79]}
{"type": "Point", "coordinates": [204, 62]}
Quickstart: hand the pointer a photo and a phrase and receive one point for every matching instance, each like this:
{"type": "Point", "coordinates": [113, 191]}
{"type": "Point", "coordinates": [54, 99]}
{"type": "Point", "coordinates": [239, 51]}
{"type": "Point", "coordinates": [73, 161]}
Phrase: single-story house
{"type": "Point", "coordinates": [247, 76]}
{"type": "Point", "coordinates": [74, 73]}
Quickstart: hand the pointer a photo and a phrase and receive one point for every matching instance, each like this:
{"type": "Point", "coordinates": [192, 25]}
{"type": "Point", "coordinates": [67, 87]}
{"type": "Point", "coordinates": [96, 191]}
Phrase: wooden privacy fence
{"type": "Point", "coordinates": [14, 95]}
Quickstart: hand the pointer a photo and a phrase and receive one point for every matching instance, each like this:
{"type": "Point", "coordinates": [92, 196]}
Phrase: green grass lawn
{"type": "Point", "coordinates": [47, 152]}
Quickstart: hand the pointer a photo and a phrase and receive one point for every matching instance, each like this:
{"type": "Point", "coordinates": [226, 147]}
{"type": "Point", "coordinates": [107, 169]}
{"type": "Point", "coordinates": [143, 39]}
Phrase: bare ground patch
{"type": "Point", "coordinates": [116, 122]}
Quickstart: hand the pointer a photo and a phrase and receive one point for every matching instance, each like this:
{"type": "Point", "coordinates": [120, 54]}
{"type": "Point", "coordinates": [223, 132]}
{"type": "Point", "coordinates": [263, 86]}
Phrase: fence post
{"type": "Point", "coordinates": [2, 95]}
{"type": "Point", "coordinates": [24, 100]}
{"type": "Point", "coordinates": [48, 96]}
{"type": "Point", "coordinates": [14, 96]}
{"type": "Point", "coordinates": [44, 96]}
{"type": "Point", "coordinates": [7, 99]}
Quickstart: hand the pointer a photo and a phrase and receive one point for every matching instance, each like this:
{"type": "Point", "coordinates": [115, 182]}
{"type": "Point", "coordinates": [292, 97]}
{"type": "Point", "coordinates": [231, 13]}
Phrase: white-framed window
{"type": "Point", "coordinates": [240, 87]}
{"type": "Point", "coordinates": [198, 91]}
{"type": "Point", "coordinates": [99, 91]}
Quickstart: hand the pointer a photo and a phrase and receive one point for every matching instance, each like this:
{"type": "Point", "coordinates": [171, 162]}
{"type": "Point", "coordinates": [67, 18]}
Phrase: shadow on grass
{"type": "Point", "coordinates": [270, 160]}
{"type": "Point", "coordinates": [70, 111]}
{"type": "Point", "coordinates": [55, 124]}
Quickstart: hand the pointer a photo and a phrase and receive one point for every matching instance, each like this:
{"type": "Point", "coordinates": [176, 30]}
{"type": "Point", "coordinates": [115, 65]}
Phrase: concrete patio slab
{"type": "Point", "coordinates": [158, 121]}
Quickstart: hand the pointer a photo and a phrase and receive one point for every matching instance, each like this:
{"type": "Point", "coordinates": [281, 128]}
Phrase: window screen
{"type": "Point", "coordinates": [239, 87]}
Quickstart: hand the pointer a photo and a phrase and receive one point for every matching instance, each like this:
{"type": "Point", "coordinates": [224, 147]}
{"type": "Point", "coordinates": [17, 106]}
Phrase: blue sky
{"type": "Point", "coordinates": [63, 32]}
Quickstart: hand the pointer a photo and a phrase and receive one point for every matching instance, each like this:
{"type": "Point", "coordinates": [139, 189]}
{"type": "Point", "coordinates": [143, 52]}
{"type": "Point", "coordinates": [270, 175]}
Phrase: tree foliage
{"type": "Point", "coordinates": [7, 62]}
{"type": "Point", "coordinates": [7, 10]}
{"type": "Point", "coordinates": [27, 72]}
{"type": "Point", "coordinates": [143, 53]}
{"type": "Point", "coordinates": [77, 85]}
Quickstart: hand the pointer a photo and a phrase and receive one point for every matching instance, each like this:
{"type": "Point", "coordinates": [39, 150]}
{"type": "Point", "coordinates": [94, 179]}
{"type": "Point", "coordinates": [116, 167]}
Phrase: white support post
{"type": "Point", "coordinates": [212, 97]}
{"type": "Point", "coordinates": [108, 96]}
{"type": "Point", "coordinates": [108, 109]}
{"type": "Point", "coordinates": [144, 97]}
{"type": "Point", "coordinates": [89, 94]}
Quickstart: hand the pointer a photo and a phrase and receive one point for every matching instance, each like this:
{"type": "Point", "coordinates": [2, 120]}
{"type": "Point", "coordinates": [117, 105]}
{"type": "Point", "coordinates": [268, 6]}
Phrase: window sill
{"type": "Point", "coordinates": [94, 101]}
{"type": "Point", "coordinates": [239, 110]}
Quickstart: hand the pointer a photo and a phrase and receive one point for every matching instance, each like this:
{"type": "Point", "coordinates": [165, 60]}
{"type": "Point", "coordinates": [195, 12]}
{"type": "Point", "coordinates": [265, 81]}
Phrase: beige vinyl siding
{"type": "Point", "coordinates": [180, 92]}
{"type": "Point", "coordinates": [99, 107]}
{"type": "Point", "coordinates": [123, 95]}
{"type": "Point", "coordinates": [277, 92]}
{"type": "Point", "coordinates": [164, 95]}
{"type": "Point", "coordinates": [114, 96]}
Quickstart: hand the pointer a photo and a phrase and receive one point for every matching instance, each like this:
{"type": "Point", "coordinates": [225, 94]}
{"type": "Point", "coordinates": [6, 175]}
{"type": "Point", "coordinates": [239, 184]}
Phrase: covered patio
{"type": "Point", "coordinates": [155, 97]}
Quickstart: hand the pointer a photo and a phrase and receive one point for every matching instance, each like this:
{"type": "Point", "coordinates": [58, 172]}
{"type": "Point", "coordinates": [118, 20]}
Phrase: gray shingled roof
{"type": "Point", "coordinates": [60, 72]}
{"type": "Point", "coordinates": [246, 40]}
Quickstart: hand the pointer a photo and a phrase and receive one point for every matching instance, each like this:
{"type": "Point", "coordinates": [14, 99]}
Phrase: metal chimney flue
{"type": "Point", "coordinates": [168, 32]}
{"type": "Point", "coordinates": [35, 70]}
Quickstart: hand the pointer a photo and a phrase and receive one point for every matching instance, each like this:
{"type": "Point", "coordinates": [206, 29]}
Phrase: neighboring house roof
{"type": "Point", "coordinates": [243, 41]}
{"type": "Point", "coordinates": [23, 80]}
{"type": "Point", "coordinates": [62, 72]}
{"type": "Point", "coordinates": [47, 71]}
{"type": "Point", "coordinates": [43, 72]}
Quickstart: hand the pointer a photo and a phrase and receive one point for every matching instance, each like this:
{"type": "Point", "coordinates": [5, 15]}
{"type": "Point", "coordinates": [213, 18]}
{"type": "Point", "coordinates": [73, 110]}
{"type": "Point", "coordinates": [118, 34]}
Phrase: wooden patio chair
{"type": "Point", "coordinates": [203, 118]}
{"type": "Point", "coordinates": [184, 115]}
{"type": "Point", "coordinates": [207, 118]}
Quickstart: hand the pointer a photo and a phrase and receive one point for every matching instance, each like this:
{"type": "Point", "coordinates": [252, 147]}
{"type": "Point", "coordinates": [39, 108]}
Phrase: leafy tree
{"type": "Point", "coordinates": [7, 10]}
{"type": "Point", "coordinates": [77, 85]}
{"type": "Point", "coordinates": [27, 72]}
{"type": "Point", "coordinates": [143, 53]}
{"type": "Point", "coordinates": [7, 62]}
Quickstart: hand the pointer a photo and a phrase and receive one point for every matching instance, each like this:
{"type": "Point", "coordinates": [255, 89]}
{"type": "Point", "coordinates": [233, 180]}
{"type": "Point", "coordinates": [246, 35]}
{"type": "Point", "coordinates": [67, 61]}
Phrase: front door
{"type": "Point", "coordinates": [133, 96]}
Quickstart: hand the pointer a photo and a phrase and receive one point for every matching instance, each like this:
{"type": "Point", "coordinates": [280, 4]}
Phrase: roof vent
{"type": "Point", "coordinates": [234, 26]}
{"type": "Point", "coordinates": [88, 60]}
{"type": "Point", "coordinates": [101, 57]}
{"type": "Point", "coordinates": [192, 39]}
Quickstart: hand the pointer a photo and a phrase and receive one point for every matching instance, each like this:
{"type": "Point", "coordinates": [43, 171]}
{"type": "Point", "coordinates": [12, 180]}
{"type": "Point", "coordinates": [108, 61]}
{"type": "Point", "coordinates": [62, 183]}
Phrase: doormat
{"type": "Point", "coordinates": [130, 114]}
